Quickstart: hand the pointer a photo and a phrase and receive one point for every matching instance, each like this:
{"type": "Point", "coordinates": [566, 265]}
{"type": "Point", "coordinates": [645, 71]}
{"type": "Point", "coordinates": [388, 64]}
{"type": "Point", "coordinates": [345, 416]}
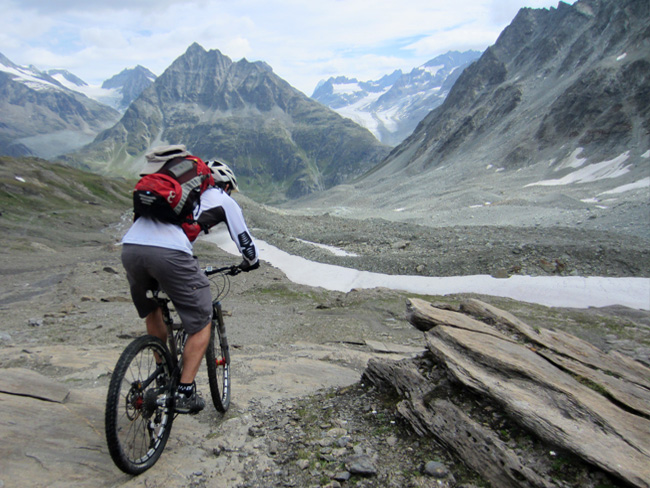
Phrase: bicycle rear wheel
{"type": "Point", "coordinates": [139, 407]}
{"type": "Point", "coordinates": [217, 359]}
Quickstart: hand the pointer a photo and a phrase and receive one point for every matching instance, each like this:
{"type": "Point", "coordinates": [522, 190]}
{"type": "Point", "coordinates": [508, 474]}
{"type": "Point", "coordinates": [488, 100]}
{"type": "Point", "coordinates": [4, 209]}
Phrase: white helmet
{"type": "Point", "coordinates": [222, 173]}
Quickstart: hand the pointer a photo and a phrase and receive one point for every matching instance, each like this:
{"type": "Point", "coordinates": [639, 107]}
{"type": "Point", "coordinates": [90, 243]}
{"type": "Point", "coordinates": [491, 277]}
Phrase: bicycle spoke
{"type": "Point", "coordinates": [137, 424]}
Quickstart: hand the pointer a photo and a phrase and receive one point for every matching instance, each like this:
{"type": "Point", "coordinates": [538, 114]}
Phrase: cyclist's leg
{"type": "Point", "coordinates": [156, 325]}
{"type": "Point", "coordinates": [193, 353]}
{"type": "Point", "coordinates": [136, 261]}
{"type": "Point", "coordinates": [189, 290]}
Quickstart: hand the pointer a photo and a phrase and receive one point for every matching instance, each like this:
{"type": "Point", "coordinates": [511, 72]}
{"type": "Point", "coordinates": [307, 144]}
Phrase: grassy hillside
{"type": "Point", "coordinates": [57, 205]}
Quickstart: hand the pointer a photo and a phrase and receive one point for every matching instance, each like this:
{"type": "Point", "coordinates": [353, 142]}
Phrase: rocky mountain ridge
{"type": "Point", "coordinates": [117, 92]}
{"type": "Point", "coordinates": [41, 117]}
{"type": "Point", "coordinates": [279, 142]}
{"type": "Point", "coordinates": [392, 106]}
{"type": "Point", "coordinates": [551, 122]}
{"type": "Point", "coordinates": [128, 84]}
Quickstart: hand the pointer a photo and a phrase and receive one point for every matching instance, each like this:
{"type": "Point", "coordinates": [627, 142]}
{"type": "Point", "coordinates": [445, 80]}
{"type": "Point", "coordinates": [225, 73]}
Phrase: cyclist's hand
{"type": "Point", "coordinates": [246, 266]}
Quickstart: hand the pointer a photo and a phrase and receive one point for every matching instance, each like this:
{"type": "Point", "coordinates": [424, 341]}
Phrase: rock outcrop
{"type": "Point", "coordinates": [554, 386]}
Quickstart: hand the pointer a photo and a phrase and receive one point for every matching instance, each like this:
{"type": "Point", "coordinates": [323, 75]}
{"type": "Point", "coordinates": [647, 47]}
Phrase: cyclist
{"type": "Point", "coordinates": [218, 206]}
{"type": "Point", "coordinates": [156, 253]}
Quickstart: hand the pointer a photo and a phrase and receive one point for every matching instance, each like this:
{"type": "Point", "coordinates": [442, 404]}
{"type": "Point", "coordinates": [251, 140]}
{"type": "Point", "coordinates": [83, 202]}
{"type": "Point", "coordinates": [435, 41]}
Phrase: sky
{"type": "Point", "coordinates": [303, 41]}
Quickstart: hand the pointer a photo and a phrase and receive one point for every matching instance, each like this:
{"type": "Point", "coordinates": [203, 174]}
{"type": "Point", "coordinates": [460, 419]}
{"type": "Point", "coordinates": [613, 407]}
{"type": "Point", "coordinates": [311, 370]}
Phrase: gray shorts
{"type": "Point", "coordinates": [176, 272]}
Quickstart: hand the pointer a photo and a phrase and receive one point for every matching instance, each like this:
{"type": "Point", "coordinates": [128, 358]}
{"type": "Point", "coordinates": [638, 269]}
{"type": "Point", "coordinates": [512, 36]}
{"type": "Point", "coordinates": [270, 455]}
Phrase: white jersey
{"type": "Point", "coordinates": [148, 232]}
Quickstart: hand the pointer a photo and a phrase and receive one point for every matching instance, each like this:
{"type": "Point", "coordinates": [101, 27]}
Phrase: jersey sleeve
{"type": "Point", "coordinates": [221, 207]}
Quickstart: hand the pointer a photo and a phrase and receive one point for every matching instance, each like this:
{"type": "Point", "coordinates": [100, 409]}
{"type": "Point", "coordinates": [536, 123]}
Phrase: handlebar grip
{"type": "Point", "coordinates": [229, 270]}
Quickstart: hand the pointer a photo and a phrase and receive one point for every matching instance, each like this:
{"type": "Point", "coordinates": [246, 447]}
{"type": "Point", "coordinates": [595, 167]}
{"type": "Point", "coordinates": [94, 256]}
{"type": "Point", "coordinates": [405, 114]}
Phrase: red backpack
{"type": "Point", "coordinates": [173, 192]}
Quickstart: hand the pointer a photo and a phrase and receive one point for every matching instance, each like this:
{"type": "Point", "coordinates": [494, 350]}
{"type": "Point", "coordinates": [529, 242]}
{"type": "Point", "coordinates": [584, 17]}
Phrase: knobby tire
{"type": "Point", "coordinates": [137, 428]}
{"type": "Point", "coordinates": [217, 359]}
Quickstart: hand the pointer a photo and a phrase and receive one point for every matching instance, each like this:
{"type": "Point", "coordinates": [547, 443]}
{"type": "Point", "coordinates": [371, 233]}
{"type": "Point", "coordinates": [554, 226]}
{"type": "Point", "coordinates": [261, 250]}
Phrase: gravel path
{"type": "Point", "coordinates": [406, 248]}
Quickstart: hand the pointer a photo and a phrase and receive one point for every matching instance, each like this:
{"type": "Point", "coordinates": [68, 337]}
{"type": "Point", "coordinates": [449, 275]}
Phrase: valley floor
{"type": "Point", "coordinates": [67, 316]}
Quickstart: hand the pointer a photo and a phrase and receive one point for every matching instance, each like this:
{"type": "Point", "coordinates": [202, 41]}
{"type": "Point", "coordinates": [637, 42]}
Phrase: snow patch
{"type": "Point", "coordinates": [573, 161]}
{"type": "Point", "coordinates": [23, 75]}
{"type": "Point", "coordinates": [108, 96]}
{"type": "Point", "coordinates": [593, 172]}
{"type": "Point", "coordinates": [433, 70]}
{"type": "Point", "coordinates": [552, 291]}
{"type": "Point", "coordinates": [621, 57]}
{"type": "Point", "coordinates": [337, 251]}
{"type": "Point", "coordinates": [642, 183]}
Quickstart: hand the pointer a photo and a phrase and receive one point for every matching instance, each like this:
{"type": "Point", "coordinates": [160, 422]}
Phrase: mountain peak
{"type": "Point", "coordinates": [127, 85]}
{"type": "Point", "coordinates": [195, 47]}
{"type": "Point", "coordinates": [392, 106]}
{"type": "Point", "coordinates": [66, 75]}
{"type": "Point", "coordinates": [279, 142]}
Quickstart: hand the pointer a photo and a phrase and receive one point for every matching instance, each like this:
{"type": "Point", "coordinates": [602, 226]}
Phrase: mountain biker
{"type": "Point", "coordinates": [156, 253]}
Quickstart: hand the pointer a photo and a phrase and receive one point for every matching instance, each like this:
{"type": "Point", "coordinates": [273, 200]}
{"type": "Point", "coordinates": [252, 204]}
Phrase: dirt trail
{"type": "Point", "coordinates": [67, 317]}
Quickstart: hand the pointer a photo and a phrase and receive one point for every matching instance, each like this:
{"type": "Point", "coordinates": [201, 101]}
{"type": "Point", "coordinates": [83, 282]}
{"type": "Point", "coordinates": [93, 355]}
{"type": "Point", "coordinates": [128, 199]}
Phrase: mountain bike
{"type": "Point", "coordinates": [141, 400]}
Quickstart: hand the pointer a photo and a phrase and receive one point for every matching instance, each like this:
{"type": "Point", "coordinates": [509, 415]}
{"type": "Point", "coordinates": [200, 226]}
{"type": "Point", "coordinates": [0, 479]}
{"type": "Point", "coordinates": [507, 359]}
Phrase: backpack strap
{"type": "Point", "coordinates": [203, 170]}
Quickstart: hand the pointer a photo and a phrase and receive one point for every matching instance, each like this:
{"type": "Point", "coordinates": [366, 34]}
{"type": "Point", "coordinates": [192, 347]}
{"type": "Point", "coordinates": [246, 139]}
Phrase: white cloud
{"type": "Point", "coordinates": [303, 41]}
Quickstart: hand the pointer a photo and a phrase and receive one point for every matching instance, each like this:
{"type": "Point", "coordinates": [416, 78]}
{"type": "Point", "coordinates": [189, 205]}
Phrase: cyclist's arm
{"type": "Point", "coordinates": [228, 211]}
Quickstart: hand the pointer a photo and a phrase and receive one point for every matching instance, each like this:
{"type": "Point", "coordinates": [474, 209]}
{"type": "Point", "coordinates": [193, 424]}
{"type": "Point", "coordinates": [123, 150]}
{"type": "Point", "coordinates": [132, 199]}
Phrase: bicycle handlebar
{"type": "Point", "coordinates": [231, 270]}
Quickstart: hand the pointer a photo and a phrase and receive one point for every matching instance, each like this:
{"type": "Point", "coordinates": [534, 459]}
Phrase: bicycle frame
{"type": "Point", "coordinates": [176, 336]}
{"type": "Point", "coordinates": [140, 403]}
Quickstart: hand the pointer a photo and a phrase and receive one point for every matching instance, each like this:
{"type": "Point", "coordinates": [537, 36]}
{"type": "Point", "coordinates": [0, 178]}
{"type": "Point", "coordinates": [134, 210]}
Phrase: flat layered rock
{"type": "Point", "coordinates": [569, 393]}
{"type": "Point", "coordinates": [25, 382]}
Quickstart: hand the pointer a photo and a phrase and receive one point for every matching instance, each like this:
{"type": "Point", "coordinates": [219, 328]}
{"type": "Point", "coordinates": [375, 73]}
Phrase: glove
{"type": "Point", "coordinates": [246, 266]}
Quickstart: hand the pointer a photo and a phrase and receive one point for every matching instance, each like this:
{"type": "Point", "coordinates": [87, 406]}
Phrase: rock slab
{"type": "Point", "coordinates": [567, 392]}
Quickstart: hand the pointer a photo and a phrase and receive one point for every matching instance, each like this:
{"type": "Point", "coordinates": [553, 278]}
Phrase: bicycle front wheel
{"type": "Point", "coordinates": [139, 407]}
{"type": "Point", "coordinates": [217, 359]}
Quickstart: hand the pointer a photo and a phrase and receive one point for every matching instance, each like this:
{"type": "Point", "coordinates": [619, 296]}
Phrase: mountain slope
{"type": "Point", "coordinates": [128, 85]}
{"type": "Point", "coordinates": [277, 140]}
{"type": "Point", "coordinates": [392, 107]}
{"type": "Point", "coordinates": [570, 73]}
{"type": "Point", "coordinates": [117, 92]}
{"type": "Point", "coordinates": [552, 118]}
{"type": "Point", "coordinates": [41, 117]}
